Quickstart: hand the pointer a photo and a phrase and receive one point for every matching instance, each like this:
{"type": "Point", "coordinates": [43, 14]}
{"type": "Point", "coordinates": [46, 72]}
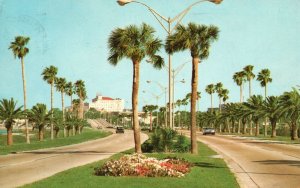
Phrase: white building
{"type": "Point", "coordinates": [107, 104]}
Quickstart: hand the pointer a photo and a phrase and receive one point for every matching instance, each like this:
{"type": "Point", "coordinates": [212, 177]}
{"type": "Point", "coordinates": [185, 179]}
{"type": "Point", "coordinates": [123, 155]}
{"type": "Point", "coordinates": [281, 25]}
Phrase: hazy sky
{"type": "Point", "coordinates": [73, 34]}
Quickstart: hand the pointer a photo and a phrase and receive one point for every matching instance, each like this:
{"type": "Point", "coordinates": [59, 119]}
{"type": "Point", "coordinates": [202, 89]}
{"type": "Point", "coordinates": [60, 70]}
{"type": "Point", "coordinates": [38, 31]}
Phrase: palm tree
{"type": "Point", "coordinates": [69, 89]}
{"type": "Point", "coordinates": [135, 43]}
{"type": "Point", "coordinates": [264, 77]}
{"type": "Point", "coordinates": [60, 84]}
{"type": "Point", "coordinates": [81, 93]}
{"type": "Point", "coordinates": [149, 109]}
{"type": "Point", "coordinates": [49, 75]}
{"type": "Point", "coordinates": [248, 70]}
{"type": "Point", "coordinates": [198, 97]}
{"type": "Point", "coordinates": [210, 89]}
{"type": "Point", "coordinates": [197, 39]}
{"type": "Point", "coordinates": [162, 110]}
{"type": "Point", "coordinates": [224, 95]}
{"type": "Point", "coordinates": [218, 89]}
{"type": "Point", "coordinates": [40, 116]}
{"type": "Point", "coordinates": [271, 109]}
{"type": "Point", "coordinates": [20, 50]}
{"type": "Point", "coordinates": [9, 112]}
{"type": "Point", "coordinates": [290, 102]}
{"type": "Point", "coordinates": [239, 78]}
{"type": "Point", "coordinates": [254, 105]}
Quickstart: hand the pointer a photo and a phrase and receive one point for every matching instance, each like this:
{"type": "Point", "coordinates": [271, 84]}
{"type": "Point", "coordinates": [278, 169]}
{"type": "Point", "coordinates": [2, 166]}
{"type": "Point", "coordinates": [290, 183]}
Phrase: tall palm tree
{"type": "Point", "coordinates": [60, 84]}
{"type": "Point", "coordinates": [224, 95]}
{"type": "Point", "coordinates": [210, 89]}
{"type": "Point", "coordinates": [49, 75]}
{"type": "Point", "coordinates": [239, 78]}
{"type": "Point", "coordinates": [290, 102]}
{"type": "Point", "coordinates": [271, 109]}
{"type": "Point", "coordinates": [81, 93]}
{"type": "Point", "coordinates": [135, 43]}
{"type": "Point", "coordinates": [69, 89]}
{"type": "Point", "coordinates": [40, 116]}
{"type": "Point", "coordinates": [20, 50]}
{"type": "Point", "coordinates": [264, 77]}
{"type": "Point", "coordinates": [248, 70]}
{"type": "Point", "coordinates": [219, 89]}
{"type": "Point", "coordinates": [197, 39]}
{"type": "Point", "coordinates": [9, 112]}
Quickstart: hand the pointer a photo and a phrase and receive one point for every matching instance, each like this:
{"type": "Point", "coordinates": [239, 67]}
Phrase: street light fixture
{"type": "Point", "coordinates": [168, 29]}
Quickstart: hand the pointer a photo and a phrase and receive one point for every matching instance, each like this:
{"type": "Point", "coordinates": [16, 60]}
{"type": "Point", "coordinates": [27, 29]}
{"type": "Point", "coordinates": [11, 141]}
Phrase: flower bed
{"type": "Point", "coordinates": [140, 165]}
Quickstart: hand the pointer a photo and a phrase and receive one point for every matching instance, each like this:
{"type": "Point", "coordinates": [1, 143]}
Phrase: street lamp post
{"type": "Point", "coordinates": [164, 90]}
{"type": "Point", "coordinates": [169, 30]}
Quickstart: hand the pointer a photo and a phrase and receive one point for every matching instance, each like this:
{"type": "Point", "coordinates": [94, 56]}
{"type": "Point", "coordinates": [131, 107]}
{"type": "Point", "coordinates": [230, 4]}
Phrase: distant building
{"type": "Point", "coordinates": [107, 104]}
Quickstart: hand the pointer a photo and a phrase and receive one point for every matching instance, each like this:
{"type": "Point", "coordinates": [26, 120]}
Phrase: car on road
{"type": "Point", "coordinates": [120, 130]}
{"type": "Point", "coordinates": [209, 131]}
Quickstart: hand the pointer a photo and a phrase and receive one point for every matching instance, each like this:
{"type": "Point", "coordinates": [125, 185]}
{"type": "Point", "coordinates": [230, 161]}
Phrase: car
{"type": "Point", "coordinates": [120, 130]}
{"type": "Point", "coordinates": [209, 131]}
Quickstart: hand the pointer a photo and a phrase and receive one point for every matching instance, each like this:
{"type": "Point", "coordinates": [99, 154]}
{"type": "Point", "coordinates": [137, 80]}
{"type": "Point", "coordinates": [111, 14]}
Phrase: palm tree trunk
{"type": "Point", "coordinates": [71, 109]}
{"type": "Point", "coordinates": [9, 136]}
{"type": "Point", "coordinates": [294, 135]}
{"type": "Point", "coordinates": [211, 103]}
{"type": "Point", "coordinates": [41, 134]}
{"type": "Point", "coordinates": [135, 91]}
{"type": "Point", "coordinates": [150, 121]}
{"type": "Point", "coordinates": [220, 104]}
{"type": "Point", "coordinates": [24, 94]}
{"type": "Point", "coordinates": [73, 130]}
{"type": "Point", "coordinates": [239, 127]}
{"type": "Point", "coordinates": [51, 123]}
{"type": "Point", "coordinates": [266, 128]}
{"type": "Point", "coordinates": [194, 85]}
{"type": "Point", "coordinates": [80, 107]}
{"type": "Point", "coordinates": [257, 128]}
{"type": "Point", "coordinates": [241, 93]}
{"type": "Point", "coordinates": [273, 124]}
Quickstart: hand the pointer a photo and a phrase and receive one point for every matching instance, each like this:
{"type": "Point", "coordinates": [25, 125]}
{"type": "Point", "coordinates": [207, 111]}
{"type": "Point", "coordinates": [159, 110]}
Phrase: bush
{"type": "Point", "coordinates": [166, 140]}
{"type": "Point", "coordinates": [140, 165]}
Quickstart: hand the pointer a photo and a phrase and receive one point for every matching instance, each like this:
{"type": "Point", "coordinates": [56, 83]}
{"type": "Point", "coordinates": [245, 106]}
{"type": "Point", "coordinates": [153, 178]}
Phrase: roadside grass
{"type": "Point", "coordinates": [21, 145]}
{"type": "Point", "coordinates": [207, 172]}
{"type": "Point", "coordinates": [285, 139]}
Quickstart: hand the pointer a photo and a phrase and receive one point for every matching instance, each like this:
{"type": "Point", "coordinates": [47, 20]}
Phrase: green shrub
{"type": "Point", "coordinates": [182, 145]}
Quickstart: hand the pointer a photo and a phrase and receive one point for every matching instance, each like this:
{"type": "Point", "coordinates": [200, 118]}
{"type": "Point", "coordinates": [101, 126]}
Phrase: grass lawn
{"type": "Point", "coordinates": [207, 172]}
{"type": "Point", "coordinates": [20, 143]}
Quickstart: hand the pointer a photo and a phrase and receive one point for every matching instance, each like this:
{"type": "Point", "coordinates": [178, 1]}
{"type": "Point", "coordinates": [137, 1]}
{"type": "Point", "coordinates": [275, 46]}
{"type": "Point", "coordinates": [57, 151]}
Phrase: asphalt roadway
{"type": "Point", "coordinates": [26, 167]}
{"type": "Point", "coordinates": [256, 163]}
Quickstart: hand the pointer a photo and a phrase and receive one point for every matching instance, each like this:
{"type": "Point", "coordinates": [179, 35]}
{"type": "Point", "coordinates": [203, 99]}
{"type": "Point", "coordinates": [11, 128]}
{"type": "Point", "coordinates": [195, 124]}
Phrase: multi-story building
{"type": "Point", "coordinates": [107, 104]}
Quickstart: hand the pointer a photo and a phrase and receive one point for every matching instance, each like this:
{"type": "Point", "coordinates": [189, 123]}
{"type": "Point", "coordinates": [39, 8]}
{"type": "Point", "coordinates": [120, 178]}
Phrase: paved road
{"type": "Point", "coordinates": [23, 168]}
{"type": "Point", "coordinates": [258, 163]}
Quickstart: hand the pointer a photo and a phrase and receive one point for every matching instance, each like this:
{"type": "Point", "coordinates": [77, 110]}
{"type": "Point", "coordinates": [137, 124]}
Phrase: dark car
{"type": "Point", "coordinates": [209, 131]}
{"type": "Point", "coordinates": [119, 130]}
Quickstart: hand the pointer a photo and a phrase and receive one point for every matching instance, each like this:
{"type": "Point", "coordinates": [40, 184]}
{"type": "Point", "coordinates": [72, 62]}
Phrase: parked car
{"type": "Point", "coordinates": [209, 131]}
{"type": "Point", "coordinates": [120, 130]}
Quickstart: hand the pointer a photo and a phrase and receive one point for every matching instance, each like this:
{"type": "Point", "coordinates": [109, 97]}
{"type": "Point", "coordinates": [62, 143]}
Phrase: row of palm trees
{"type": "Point", "coordinates": [20, 50]}
{"type": "Point", "coordinates": [135, 43]}
{"type": "Point", "coordinates": [237, 117]}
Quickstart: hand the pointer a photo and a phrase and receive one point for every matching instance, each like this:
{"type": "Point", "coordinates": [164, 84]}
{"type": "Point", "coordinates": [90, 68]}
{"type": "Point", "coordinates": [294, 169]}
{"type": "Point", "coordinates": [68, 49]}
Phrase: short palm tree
{"type": "Point", "coordinates": [239, 79]}
{"type": "Point", "coordinates": [60, 84]}
{"type": "Point", "coordinates": [264, 77]}
{"type": "Point", "coordinates": [150, 109]}
{"type": "Point", "coordinates": [197, 39]}
{"type": "Point", "coordinates": [290, 102]}
{"type": "Point", "coordinates": [40, 116]}
{"type": "Point", "coordinates": [271, 109]}
{"type": "Point", "coordinates": [254, 105]}
{"type": "Point", "coordinates": [9, 112]}
{"type": "Point", "coordinates": [49, 75]}
{"type": "Point", "coordinates": [81, 93]}
{"type": "Point", "coordinates": [20, 50]}
{"type": "Point", "coordinates": [135, 43]}
{"type": "Point", "coordinates": [210, 89]}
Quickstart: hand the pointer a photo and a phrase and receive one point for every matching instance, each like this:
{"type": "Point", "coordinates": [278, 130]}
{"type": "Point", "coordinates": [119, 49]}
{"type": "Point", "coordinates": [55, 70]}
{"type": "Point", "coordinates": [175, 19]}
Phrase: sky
{"type": "Point", "coordinates": [72, 35]}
